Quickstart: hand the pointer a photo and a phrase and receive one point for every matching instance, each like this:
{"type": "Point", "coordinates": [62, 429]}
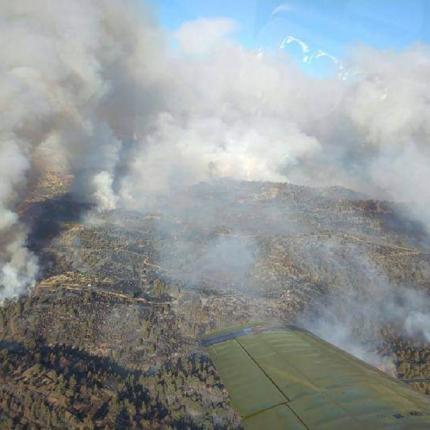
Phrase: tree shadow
{"type": "Point", "coordinates": [46, 220]}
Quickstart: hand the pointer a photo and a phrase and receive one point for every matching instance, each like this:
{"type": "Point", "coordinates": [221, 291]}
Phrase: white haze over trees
{"type": "Point", "coordinates": [91, 87]}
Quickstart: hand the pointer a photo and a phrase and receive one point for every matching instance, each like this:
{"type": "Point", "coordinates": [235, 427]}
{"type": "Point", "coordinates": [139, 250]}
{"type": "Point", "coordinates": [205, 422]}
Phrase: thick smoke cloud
{"type": "Point", "coordinates": [232, 112]}
{"type": "Point", "coordinates": [67, 75]}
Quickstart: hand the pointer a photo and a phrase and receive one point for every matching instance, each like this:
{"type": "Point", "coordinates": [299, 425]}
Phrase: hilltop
{"type": "Point", "coordinates": [109, 335]}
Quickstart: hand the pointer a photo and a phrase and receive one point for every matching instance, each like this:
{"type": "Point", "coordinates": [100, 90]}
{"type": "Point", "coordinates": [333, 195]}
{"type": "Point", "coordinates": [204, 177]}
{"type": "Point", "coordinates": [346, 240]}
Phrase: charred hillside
{"type": "Point", "coordinates": [108, 336]}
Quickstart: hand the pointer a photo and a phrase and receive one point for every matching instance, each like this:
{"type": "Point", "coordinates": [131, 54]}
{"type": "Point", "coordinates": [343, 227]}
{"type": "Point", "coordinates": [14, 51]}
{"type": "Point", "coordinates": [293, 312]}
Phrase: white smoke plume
{"type": "Point", "coordinates": [363, 302]}
{"type": "Point", "coordinates": [67, 86]}
{"type": "Point", "coordinates": [232, 112]}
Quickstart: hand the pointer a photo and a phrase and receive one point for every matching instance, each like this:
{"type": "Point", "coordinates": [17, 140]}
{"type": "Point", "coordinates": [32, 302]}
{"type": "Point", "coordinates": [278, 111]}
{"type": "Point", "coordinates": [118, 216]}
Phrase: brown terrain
{"type": "Point", "coordinates": [108, 338]}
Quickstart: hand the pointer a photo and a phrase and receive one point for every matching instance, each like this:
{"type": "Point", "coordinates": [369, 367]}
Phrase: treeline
{"type": "Point", "coordinates": [43, 386]}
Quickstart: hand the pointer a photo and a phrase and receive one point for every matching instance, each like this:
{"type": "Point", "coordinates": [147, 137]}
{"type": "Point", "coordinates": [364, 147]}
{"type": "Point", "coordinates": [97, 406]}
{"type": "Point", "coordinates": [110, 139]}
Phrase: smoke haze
{"type": "Point", "coordinates": [364, 301]}
{"type": "Point", "coordinates": [92, 88]}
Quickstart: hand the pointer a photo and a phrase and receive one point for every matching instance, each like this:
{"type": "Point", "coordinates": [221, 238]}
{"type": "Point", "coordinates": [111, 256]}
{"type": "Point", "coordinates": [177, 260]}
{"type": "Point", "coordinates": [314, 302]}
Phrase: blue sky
{"type": "Point", "coordinates": [330, 26]}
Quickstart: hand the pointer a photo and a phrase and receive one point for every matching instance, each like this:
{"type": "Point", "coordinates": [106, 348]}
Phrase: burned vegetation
{"type": "Point", "coordinates": [108, 338]}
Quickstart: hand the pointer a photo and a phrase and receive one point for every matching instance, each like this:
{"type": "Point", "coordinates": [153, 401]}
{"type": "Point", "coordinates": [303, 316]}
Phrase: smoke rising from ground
{"type": "Point", "coordinates": [227, 260]}
{"type": "Point", "coordinates": [91, 87]}
{"type": "Point", "coordinates": [67, 71]}
{"type": "Point", "coordinates": [363, 302]}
